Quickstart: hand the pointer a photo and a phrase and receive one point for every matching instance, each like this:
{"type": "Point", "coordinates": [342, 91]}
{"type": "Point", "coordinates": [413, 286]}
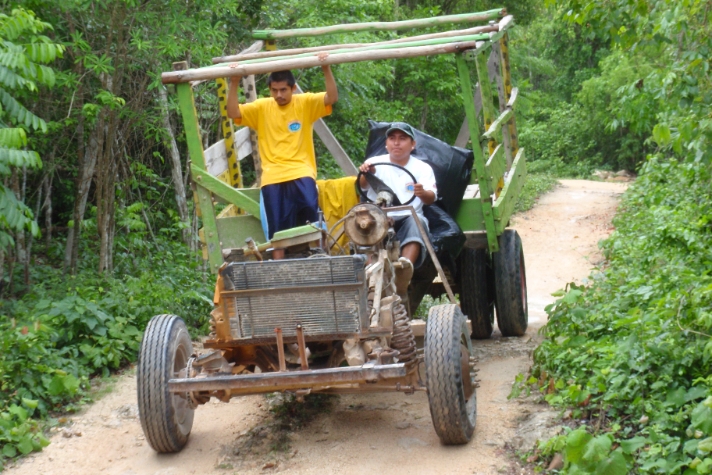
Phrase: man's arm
{"type": "Point", "coordinates": [233, 105]}
{"type": "Point", "coordinates": [426, 196]}
{"type": "Point", "coordinates": [366, 167]}
{"type": "Point", "coordinates": [332, 94]}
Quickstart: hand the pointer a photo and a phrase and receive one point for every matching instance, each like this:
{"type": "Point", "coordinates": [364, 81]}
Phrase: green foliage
{"type": "Point", "coordinates": [18, 433]}
{"type": "Point", "coordinates": [629, 353]}
{"type": "Point", "coordinates": [676, 39]}
{"type": "Point", "coordinates": [634, 346]}
{"type": "Point", "coordinates": [69, 329]}
{"type": "Point", "coordinates": [23, 55]}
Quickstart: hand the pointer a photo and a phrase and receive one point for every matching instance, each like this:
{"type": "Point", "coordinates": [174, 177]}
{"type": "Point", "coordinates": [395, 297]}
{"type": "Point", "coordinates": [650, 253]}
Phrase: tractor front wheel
{"type": "Point", "coordinates": [166, 418]}
{"type": "Point", "coordinates": [451, 389]}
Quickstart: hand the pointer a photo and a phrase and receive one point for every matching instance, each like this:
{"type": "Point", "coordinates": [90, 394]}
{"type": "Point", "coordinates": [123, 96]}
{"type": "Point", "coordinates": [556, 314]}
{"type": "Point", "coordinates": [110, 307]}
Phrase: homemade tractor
{"type": "Point", "coordinates": [326, 307]}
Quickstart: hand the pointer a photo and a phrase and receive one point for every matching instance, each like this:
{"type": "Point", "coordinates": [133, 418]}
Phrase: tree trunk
{"type": "Point", "coordinates": [87, 163]}
{"type": "Point", "coordinates": [31, 239]}
{"type": "Point", "coordinates": [176, 171]}
{"type": "Point", "coordinates": [47, 208]}
{"type": "Point", "coordinates": [20, 250]}
{"type": "Point", "coordinates": [424, 112]}
{"type": "Point", "coordinates": [106, 196]}
{"type": "Point", "coordinates": [2, 271]}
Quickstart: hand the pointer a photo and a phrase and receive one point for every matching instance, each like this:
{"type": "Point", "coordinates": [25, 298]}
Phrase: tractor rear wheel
{"type": "Point", "coordinates": [451, 389]}
{"type": "Point", "coordinates": [476, 284]}
{"type": "Point", "coordinates": [510, 285]}
{"type": "Point", "coordinates": [166, 418]}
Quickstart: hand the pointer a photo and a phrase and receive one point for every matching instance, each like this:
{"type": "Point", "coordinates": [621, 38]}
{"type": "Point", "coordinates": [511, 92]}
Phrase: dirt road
{"type": "Point", "coordinates": [363, 433]}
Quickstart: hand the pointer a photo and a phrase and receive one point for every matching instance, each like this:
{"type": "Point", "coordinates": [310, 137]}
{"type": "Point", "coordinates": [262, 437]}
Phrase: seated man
{"type": "Point", "coordinates": [400, 142]}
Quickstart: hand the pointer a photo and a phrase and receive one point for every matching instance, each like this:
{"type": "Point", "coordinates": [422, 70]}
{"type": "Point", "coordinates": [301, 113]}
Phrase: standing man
{"type": "Point", "coordinates": [400, 142]}
{"type": "Point", "coordinates": [283, 124]}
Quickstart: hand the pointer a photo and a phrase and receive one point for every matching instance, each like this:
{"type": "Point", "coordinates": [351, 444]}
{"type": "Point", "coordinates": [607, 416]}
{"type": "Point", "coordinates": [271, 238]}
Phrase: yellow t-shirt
{"type": "Point", "coordinates": [284, 135]}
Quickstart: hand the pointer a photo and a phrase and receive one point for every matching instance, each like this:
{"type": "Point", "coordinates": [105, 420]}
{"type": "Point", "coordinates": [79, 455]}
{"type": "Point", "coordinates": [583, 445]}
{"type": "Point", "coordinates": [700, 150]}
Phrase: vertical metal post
{"type": "Point", "coordinates": [186, 102]}
{"type": "Point", "coordinates": [280, 349]}
{"type": "Point", "coordinates": [482, 180]}
{"type": "Point", "coordinates": [229, 135]}
{"type": "Point", "coordinates": [302, 347]}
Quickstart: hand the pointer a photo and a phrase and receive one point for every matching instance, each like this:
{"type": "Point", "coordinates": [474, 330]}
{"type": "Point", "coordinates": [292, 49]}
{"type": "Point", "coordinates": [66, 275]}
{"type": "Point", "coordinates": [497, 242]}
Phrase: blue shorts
{"type": "Point", "coordinates": [288, 204]}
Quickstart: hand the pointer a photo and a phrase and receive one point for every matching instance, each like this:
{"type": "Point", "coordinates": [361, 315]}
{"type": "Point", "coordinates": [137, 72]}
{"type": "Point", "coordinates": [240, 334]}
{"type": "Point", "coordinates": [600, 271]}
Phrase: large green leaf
{"type": "Point", "coordinates": [43, 52]}
{"type": "Point", "coordinates": [614, 464]}
{"type": "Point", "coordinates": [20, 113]}
{"type": "Point", "coordinates": [576, 445]}
{"type": "Point", "coordinates": [20, 158]}
{"type": "Point", "coordinates": [11, 80]}
{"type": "Point", "coordinates": [13, 138]}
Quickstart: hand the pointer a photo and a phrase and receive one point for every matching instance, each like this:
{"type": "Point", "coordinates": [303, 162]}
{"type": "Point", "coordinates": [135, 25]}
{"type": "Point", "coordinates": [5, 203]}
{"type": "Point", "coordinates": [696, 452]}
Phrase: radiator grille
{"type": "Point", "coordinates": [321, 311]}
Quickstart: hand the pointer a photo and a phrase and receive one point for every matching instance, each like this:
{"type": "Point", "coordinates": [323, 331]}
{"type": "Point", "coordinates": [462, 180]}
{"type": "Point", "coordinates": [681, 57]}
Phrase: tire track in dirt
{"type": "Point", "coordinates": [363, 433]}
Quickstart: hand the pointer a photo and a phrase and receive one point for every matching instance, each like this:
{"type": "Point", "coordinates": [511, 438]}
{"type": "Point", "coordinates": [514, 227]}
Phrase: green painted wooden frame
{"type": "Point", "coordinates": [475, 214]}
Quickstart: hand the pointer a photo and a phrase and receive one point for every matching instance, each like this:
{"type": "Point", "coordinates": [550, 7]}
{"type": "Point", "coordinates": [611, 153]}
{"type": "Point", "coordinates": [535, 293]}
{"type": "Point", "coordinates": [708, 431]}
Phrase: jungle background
{"type": "Point", "coordinates": [98, 233]}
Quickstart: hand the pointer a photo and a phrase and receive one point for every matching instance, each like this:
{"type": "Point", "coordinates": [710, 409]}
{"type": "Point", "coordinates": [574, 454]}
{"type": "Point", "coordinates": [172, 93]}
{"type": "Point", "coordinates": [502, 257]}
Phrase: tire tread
{"type": "Point", "coordinates": [444, 376]}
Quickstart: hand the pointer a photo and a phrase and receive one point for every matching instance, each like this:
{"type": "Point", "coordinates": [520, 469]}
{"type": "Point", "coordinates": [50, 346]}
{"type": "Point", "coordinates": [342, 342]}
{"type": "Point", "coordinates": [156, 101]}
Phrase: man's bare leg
{"type": "Point", "coordinates": [411, 251]}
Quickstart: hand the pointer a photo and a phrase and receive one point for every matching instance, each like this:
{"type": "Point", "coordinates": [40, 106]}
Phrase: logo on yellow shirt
{"type": "Point", "coordinates": [294, 126]}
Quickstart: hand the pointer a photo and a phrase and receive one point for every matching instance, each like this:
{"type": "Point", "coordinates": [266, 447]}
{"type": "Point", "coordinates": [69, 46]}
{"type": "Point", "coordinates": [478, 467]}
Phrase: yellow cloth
{"type": "Point", "coordinates": [336, 198]}
{"type": "Point", "coordinates": [284, 135]}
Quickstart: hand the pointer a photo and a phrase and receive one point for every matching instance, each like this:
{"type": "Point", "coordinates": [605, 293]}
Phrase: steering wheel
{"type": "Point", "coordinates": [378, 185]}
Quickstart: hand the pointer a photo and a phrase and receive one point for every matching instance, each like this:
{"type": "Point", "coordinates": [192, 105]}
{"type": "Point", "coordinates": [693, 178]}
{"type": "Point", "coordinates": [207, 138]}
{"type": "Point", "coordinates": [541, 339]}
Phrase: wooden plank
{"type": "Point", "coordinates": [496, 166]}
{"type": "Point", "coordinates": [243, 143]}
{"type": "Point", "coordinates": [379, 26]}
{"type": "Point", "coordinates": [495, 66]}
{"type": "Point", "coordinates": [472, 221]}
{"type": "Point", "coordinates": [513, 98]}
{"type": "Point", "coordinates": [228, 130]}
{"type": "Point", "coordinates": [216, 158]}
{"type": "Point", "coordinates": [333, 146]}
{"type": "Point", "coordinates": [496, 126]}
{"type": "Point", "coordinates": [214, 72]}
{"type": "Point", "coordinates": [469, 215]}
{"type": "Point", "coordinates": [504, 206]}
{"type": "Point", "coordinates": [509, 91]}
{"type": "Point", "coordinates": [317, 49]}
{"type": "Point", "coordinates": [234, 230]}
{"type": "Point", "coordinates": [488, 109]}
{"type": "Point", "coordinates": [472, 191]}
{"type": "Point", "coordinates": [506, 22]}
{"type": "Point", "coordinates": [195, 151]}
{"type": "Point", "coordinates": [249, 52]}
{"type": "Point", "coordinates": [370, 47]}
{"type": "Point", "coordinates": [463, 137]}
{"type": "Point", "coordinates": [232, 195]}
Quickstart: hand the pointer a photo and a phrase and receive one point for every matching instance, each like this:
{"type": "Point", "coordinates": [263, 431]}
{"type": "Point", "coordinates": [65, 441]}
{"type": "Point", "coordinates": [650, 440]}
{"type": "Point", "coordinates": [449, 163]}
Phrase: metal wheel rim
{"type": "Point", "coordinates": [181, 403]}
{"type": "Point", "coordinates": [471, 402]}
